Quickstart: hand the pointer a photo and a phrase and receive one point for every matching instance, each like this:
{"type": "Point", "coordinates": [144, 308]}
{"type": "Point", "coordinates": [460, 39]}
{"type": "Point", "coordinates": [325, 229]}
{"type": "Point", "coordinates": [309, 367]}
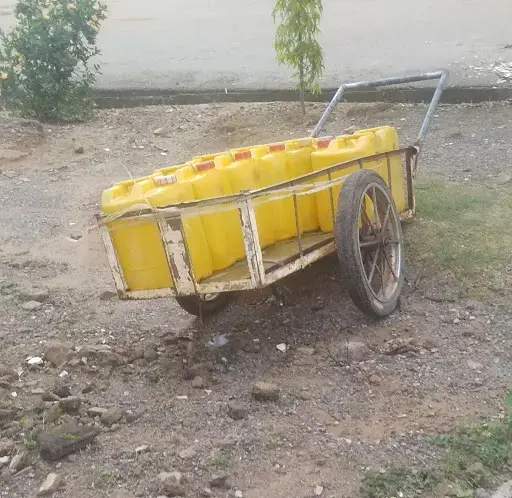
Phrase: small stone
{"type": "Point", "coordinates": [96, 411]}
{"type": "Point", "coordinates": [158, 131]}
{"type": "Point", "coordinates": [188, 453]}
{"type": "Point", "coordinates": [39, 296]}
{"type": "Point", "coordinates": [482, 493]}
{"type": "Point", "coordinates": [319, 490]}
{"type": "Point", "coordinates": [131, 416]}
{"type": "Point", "coordinates": [89, 387]}
{"type": "Point", "coordinates": [357, 351]}
{"type": "Point", "coordinates": [57, 353]}
{"type": "Point", "coordinates": [63, 440]}
{"type": "Point", "coordinates": [375, 380]}
{"type": "Point", "coordinates": [504, 491]}
{"type": "Point", "coordinates": [35, 360]}
{"type": "Point", "coordinates": [79, 150]}
{"type": "Point", "coordinates": [150, 355]}
{"type": "Point", "coordinates": [237, 411]}
{"type": "Point", "coordinates": [50, 397]}
{"type": "Point", "coordinates": [306, 351]}
{"type": "Point", "coordinates": [474, 365]}
{"type": "Point", "coordinates": [70, 405]}
{"type": "Point", "coordinates": [220, 482]}
{"type": "Point", "coordinates": [112, 416]}
{"type": "Point", "coordinates": [141, 449]}
{"type": "Point", "coordinates": [110, 359]}
{"type": "Point", "coordinates": [4, 461]}
{"type": "Point", "coordinates": [239, 494]}
{"type": "Point", "coordinates": [31, 305]}
{"type": "Point", "coordinates": [264, 391]}
{"type": "Point", "coordinates": [50, 485]}
{"type": "Point", "coordinates": [61, 389]}
{"type": "Point", "coordinates": [6, 447]}
{"type": "Point", "coordinates": [170, 483]}
{"type": "Point", "coordinates": [198, 383]}
{"type": "Point", "coordinates": [18, 462]}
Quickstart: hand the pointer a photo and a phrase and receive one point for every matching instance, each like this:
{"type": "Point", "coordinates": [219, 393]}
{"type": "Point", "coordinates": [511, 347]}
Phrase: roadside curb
{"type": "Point", "coordinates": [106, 99]}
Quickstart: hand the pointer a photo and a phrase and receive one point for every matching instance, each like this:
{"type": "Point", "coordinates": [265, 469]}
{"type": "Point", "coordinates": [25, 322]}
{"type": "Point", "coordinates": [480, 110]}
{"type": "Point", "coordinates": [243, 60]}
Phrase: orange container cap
{"type": "Point", "coordinates": [166, 179]}
{"type": "Point", "coordinates": [323, 142]}
{"type": "Point", "coordinates": [242, 154]}
{"type": "Point", "coordinates": [276, 147]}
{"type": "Point", "coordinates": [204, 166]}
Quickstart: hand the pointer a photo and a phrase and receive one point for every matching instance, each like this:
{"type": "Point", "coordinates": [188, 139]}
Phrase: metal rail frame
{"type": "Point", "coordinates": [171, 228]}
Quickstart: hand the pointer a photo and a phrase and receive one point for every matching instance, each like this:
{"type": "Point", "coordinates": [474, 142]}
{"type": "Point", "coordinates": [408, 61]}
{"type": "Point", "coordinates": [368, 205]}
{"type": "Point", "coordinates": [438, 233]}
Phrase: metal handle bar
{"type": "Point", "coordinates": [441, 75]}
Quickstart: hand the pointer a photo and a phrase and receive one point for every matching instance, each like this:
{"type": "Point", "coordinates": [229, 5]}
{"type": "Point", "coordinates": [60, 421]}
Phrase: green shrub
{"type": "Point", "coordinates": [45, 70]}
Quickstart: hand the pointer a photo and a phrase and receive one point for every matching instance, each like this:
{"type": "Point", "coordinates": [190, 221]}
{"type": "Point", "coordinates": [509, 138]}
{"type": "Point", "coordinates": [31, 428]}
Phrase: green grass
{"type": "Point", "coordinates": [397, 482]}
{"type": "Point", "coordinates": [489, 445]}
{"type": "Point", "coordinates": [221, 460]}
{"type": "Point", "coordinates": [473, 457]}
{"type": "Point", "coordinates": [463, 232]}
{"type": "Point", "coordinates": [107, 479]}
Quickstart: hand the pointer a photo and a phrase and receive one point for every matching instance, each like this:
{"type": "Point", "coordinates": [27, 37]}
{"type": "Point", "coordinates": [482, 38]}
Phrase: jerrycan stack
{"type": "Point", "coordinates": [214, 239]}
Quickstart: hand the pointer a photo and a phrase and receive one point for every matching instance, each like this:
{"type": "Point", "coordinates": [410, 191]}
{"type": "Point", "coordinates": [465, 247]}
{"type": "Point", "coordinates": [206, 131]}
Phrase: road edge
{"type": "Point", "coordinates": [114, 98]}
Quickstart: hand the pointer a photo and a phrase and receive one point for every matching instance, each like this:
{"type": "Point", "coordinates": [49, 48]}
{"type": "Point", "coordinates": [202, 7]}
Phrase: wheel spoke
{"type": "Point", "coordinates": [374, 265]}
{"type": "Point", "coordinates": [369, 244]}
{"type": "Point", "coordinates": [386, 216]}
{"type": "Point", "coordinates": [390, 265]}
{"type": "Point", "coordinates": [367, 218]}
{"type": "Point", "coordinates": [381, 274]}
{"type": "Point", "coordinates": [375, 208]}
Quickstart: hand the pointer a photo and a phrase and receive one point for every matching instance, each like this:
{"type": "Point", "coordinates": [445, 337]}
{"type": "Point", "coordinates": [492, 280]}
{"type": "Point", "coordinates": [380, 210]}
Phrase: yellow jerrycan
{"type": "Point", "coordinates": [395, 177]}
{"type": "Point", "coordinates": [328, 153]}
{"type": "Point", "coordinates": [273, 169]}
{"type": "Point", "coordinates": [167, 191]}
{"type": "Point", "coordinates": [298, 164]}
{"type": "Point", "coordinates": [137, 243]}
{"type": "Point", "coordinates": [243, 175]}
{"type": "Point", "coordinates": [387, 140]}
{"type": "Point", "coordinates": [222, 229]}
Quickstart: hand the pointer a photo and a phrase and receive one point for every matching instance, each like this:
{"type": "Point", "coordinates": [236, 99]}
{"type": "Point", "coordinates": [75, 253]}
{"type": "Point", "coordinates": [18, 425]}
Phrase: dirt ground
{"type": "Point", "coordinates": [432, 366]}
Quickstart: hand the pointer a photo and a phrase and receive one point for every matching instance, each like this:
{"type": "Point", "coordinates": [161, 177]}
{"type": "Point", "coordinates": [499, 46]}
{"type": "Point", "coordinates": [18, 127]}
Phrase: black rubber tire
{"type": "Point", "coordinates": [347, 243]}
{"type": "Point", "coordinates": [197, 306]}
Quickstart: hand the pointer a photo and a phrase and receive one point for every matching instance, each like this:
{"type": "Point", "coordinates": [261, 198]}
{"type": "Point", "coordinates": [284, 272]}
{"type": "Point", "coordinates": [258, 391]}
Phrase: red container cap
{"type": "Point", "coordinates": [323, 142]}
{"type": "Point", "coordinates": [276, 147]}
{"type": "Point", "coordinates": [242, 154]}
{"type": "Point", "coordinates": [204, 166]}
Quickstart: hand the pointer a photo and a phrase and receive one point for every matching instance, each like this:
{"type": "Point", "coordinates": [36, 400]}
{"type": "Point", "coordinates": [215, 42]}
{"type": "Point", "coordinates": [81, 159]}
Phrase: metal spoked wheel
{"type": "Point", "coordinates": [204, 304]}
{"type": "Point", "coordinates": [370, 244]}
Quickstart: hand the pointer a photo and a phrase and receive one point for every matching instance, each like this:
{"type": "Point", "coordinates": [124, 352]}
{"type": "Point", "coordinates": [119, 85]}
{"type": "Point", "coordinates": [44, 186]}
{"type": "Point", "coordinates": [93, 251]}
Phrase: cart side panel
{"type": "Point", "coordinates": [115, 267]}
{"type": "Point", "coordinates": [171, 230]}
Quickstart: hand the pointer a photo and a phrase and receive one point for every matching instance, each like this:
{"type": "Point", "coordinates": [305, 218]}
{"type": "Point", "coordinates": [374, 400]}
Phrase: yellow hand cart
{"type": "Point", "coordinates": [367, 230]}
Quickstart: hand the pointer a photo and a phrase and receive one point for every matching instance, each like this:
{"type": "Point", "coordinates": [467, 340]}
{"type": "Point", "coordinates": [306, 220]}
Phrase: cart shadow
{"type": "Point", "coordinates": [310, 307]}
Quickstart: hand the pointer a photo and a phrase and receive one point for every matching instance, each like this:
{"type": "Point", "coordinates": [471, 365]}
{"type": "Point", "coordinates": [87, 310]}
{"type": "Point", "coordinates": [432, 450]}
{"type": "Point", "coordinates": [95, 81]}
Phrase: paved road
{"type": "Point", "coordinates": [197, 44]}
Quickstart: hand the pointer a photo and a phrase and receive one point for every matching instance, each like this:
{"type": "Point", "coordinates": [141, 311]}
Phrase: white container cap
{"type": "Point", "coordinates": [166, 179]}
